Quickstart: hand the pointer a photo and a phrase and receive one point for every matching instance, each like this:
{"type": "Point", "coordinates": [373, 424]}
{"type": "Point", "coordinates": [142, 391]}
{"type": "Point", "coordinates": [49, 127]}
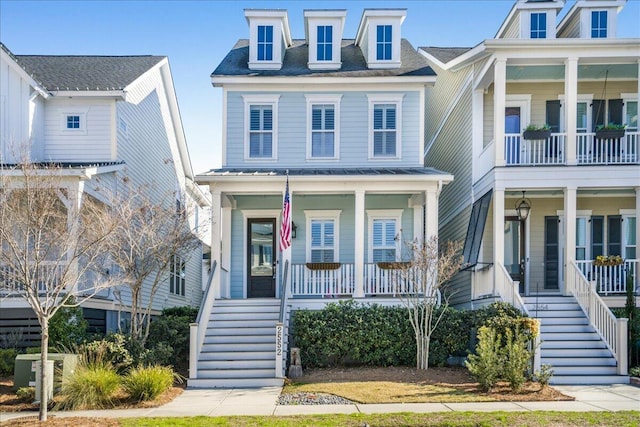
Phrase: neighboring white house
{"type": "Point", "coordinates": [344, 118]}
{"type": "Point", "coordinates": [100, 117]}
{"type": "Point", "coordinates": [579, 186]}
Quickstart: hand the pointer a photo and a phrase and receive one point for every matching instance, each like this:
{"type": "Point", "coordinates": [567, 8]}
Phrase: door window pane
{"type": "Point", "coordinates": [512, 120]}
{"type": "Point", "coordinates": [261, 249]}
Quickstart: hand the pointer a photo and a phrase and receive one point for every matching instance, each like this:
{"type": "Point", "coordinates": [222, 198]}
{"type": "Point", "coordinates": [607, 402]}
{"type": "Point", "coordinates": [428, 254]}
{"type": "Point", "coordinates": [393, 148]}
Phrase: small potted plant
{"type": "Point", "coordinates": [610, 131]}
{"type": "Point", "coordinates": [537, 132]}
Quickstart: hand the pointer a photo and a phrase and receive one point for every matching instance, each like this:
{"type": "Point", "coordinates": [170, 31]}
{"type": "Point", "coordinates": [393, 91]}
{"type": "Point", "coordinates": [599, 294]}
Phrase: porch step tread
{"type": "Point", "coordinates": [574, 336]}
{"type": "Point", "coordinates": [585, 370]}
{"type": "Point", "coordinates": [238, 347]}
{"type": "Point", "coordinates": [588, 379]}
{"type": "Point", "coordinates": [566, 329]}
{"type": "Point", "coordinates": [591, 362]}
{"type": "Point", "coordinates": [223, 324]}
{"type": "Point", "coordinates": [235, 383]}
{"type": "Point", "coordinates": [252, 364]}
{"type": "Point", "coordinates": [236, 373]}
{"type": "Point", "coordinates": [238, 355]}
{"type": "Point", "coordinates": [244, 330]}
{"type": "Point", "coordinates": [577, 352]}
{"type": "Point", "coordinates": [550, 321]}
{"type": "Point", "coordinates": [256, 315]}
{"type": "Point", "coordinates": [572, 344]}
{"type": "Point", "coordinates": [229, 339]}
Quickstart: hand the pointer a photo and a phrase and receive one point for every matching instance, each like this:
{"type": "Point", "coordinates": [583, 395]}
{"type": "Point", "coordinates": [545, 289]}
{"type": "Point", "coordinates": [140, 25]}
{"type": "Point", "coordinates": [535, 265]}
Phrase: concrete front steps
{"type": "Point", "coordinates": [239, 346]}
{"type": "Point", "coordinates": [570, 345]}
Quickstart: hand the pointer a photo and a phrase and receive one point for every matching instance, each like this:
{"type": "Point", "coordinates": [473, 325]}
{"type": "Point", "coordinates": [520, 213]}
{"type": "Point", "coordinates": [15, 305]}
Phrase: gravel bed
{"type": "Point", "coordinates": [302, 398]}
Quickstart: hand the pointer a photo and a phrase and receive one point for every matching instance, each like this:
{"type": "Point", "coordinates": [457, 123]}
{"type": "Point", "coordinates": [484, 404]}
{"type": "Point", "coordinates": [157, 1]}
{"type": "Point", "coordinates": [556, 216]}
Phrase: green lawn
{"type": "Point", "coordinates": [461, 419]}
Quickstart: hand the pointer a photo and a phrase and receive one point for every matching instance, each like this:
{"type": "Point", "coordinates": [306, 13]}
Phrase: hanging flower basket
{"type": "Point", "coordinates": [611, 260]}
{"type": "Point", "coordinates": [323, 265]}
{"type": "Point", "coordinates": [609, 133]}
{"type": "Point", "coordinates": [536, 134]}
{"type": "Point", "coordinates": [393, 265]}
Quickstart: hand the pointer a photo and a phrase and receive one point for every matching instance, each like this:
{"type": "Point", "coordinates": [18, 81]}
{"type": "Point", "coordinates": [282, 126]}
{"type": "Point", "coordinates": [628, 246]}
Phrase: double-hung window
{"type": "Point", "coordinates": [265, 42]}
{"type": "Point", "coordinates": [323, 239]}
{"type": "Point", "coordinates": [599, 24]}
{"type": "Point", "coordinates": [177, 276]}
{"type": "Point", "coordinates": [324, 43]}
{"type": "Point", "coordinates": [383, 42]}
{"type": "Point", "coordinates": [261, 126]}
{"type": "Point", "coordinates": [384, 235]}
{"type": "Point", "coordinates": [538, 25]}
{"type": "Point", "coordinates": [582, 238]}
{"type": "Point", "coordinates": [629, 243]}
{"type": "Point", "coordinates": [323, 126]}
{"type": "Point", "coordinates": [385, 120]}
{"type": "Point", "coordinates": [630, 115]}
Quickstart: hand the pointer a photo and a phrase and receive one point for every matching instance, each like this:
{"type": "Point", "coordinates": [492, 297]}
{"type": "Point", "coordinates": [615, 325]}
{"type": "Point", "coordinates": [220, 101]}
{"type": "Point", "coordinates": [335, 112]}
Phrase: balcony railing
{"type": "Point", "coordinates": [590, 150]}
{"type": "Point", "coordinates": [47, 277]}
{"type": "Point", "coordinates": [610, 279]}
{"type": "Point", "coordinates": [607, 151]}
{"type": "Point", "coordinates": [528, 152]}
{"type": "Point", "coordinates": [326, 282]}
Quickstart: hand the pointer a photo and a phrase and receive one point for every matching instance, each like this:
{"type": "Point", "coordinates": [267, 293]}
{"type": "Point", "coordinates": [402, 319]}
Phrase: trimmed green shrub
{"type": "Point", "coordinates": [67, 328]}
{"type": "Point", "coordinates": [515, 358]}
{"type": "Point", "coordinates": [544, 375]}
{"type": "Point", "coordinates": [90, 386]}
{"type": "Point", "coordinates": [168, 342]}
{"type": "Point", "coordinates": [111, 349]}
{"type": "Point", "coordinates": [485, 365]}
{"type": "Point", "coordinates": [7, 361]}
{"type": "Point", "coordinates": [147, 383]}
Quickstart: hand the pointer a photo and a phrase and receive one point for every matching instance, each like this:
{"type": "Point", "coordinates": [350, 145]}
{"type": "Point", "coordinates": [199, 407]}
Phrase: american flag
{"type": "Point", "coordinates": [285, 228]}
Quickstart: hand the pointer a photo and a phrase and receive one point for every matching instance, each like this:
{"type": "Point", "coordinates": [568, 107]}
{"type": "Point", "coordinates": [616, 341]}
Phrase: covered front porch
{"type": "Point", "coordinates": [350, 230]}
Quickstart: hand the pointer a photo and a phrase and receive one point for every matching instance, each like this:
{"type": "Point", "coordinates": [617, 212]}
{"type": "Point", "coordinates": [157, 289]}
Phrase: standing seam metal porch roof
{"type": "Point", "coordinates": [297, 56]}
{"type": "Point", "coordinates": [409, 171]}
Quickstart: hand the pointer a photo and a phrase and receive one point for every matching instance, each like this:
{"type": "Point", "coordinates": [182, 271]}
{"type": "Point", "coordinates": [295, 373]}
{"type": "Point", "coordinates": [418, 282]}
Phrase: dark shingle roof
{"type": "Point", "coordinates": [297, 56]}
{"type": "Point", "coordinates": [86, 73]}
{"type": "Point", "coordinates": [324, 172]}
{"type": "Point", "coordinates": [445, 54]}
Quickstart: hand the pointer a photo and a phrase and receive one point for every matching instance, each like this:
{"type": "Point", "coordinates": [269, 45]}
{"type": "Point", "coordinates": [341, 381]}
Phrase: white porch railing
{"type": "Point", "coordinates": [608, 151]}
{"type": "Point", "coordinates": [613, 331]}
{"type": "Point", "coordinates": [509, 290]}
{"type": "Point", "coordinates": [323, 283]}
{"type": "Point", "coordinates": [526, 152]}
{"type": "Point", "coordinates": [198, 329]}
{"type": "Point", "coordinates": [610, 279]}
{"type": "Point", "coordinates": [47, 275]}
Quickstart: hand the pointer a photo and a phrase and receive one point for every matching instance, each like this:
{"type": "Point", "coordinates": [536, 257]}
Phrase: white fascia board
{"type": "Point", "coordinates": [291, 80]}
{"type": "Point", "coordinates": [435, 61]}
{"type": "Point", "coordinates": [476, 53]}
{"type": "Point", "coordinates": [560, 49]}
{"type": "Point", "coordinates": [82, 173]}
{"type": "Point", "coordinates": [21, 71]}
{"type": "Point", "coordinates": [121, 94]}
{"type": "Point", "coordinates": [272, 13]}
{"type": "Point", "coordinates": [323, 13]}
{"type": "Point", "coordinates": [196, 192]}
{"type": "Point", "coordinates": [367, 13]}
{"type": "Point", "coordinates": [581, 4]}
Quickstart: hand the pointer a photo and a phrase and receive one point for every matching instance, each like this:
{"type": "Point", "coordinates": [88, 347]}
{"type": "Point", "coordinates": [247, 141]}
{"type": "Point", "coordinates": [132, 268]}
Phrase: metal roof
{"type": "Point", "coordinates": [408, 171]}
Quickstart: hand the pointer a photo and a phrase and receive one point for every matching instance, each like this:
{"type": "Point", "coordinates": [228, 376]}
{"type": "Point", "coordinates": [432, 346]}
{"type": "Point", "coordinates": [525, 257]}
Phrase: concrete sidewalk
{"type": "Point", "coordinates": [263, 401]}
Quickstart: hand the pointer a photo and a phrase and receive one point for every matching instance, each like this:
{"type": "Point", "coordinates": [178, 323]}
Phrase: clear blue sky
{"type": "Point", "coordinates": [196, 35]}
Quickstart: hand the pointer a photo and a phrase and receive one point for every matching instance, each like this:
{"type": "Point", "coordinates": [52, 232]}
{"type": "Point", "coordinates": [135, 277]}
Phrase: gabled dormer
{"type": "Point", "coordinates": [531, 19]}
{"type": "Point", "coordinates": [591, 19]}
{"type": "Point", "coordinates": [269, 38]}
{"type": "Point", "coordinates": [379, 37]}
{"type": "Point", "coordinates": [323, 33]}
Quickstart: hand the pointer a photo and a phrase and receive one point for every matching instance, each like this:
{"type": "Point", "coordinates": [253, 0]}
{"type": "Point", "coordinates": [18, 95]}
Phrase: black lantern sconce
{"type": "Point", "coordinates": [523, 207]}
{"type": "Point", "coordinates": [294, 230]}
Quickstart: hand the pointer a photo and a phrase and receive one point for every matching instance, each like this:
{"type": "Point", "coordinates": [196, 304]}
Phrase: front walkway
{"type": "Point", "coordinates": [262, 401]}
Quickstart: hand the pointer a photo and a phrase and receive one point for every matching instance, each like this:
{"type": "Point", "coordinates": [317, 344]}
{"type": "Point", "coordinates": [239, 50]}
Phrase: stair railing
{"type": "Point", "coordinates": [508, 290]}
{"type": "Point", "coordinates": [281, 329]}
{"type": "Point", "coordinates": [197, 330]}
{"type": "Point", "coordinates": [612, 330]}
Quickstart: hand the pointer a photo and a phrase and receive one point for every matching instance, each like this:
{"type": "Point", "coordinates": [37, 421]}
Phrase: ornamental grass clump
{"type": "Point", "coordinates": [93, 386]}
{"type": "Point", "coordinates": [147, 383]}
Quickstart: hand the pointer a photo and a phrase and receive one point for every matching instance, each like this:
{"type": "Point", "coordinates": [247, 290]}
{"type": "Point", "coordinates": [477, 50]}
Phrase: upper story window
{"type": "Point", "coordinates": [385, 112]}
{"type": "Point", "coordinates": [323, 126]}
{"type": "Point", "coordinates": [384, 42]}
{"type": "Point", "coordinates": [325, 43]}
{"type": "Point", "coordinates": [265, 42]}
{"type": "Point", "coordinates": [177, 276]}
{"type": "Point", "coordinates": [261, 126]}
{"type": "Point", "coordinates": [630, 114]}
{"type": "Point", "coordinates": [322, 229]}
{"type": "Point", "coordinates": [73, 122]}
{"type": "Point", "coordinates": [384, 235]}
{"type": "Point", "coordinates": [599, 24]}
{"type": "Point", "coordinates": [538, 25]}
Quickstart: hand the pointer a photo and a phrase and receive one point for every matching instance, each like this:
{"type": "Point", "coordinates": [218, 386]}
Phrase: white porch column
{"type": "Point", "coordinates": [637, 228]}
{"type": "Point", "coordinates": [359, 245]}
{"type": "Point", "coordinates": [225, 251]}
{"type": "Point", "coordinates": [570, 195]}
{"type": "Point", "coordinates": [499, 102]}
{"type": "Point", "coordinates": [570, 108]}
{"type": "Point", "coordinates": [216, 241]}
{"type": "Point", "coordinates": [431, 220]}
{"type": "Point", "coordinates": [498, 234]}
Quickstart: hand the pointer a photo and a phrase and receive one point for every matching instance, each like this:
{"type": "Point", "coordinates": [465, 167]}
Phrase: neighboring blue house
{"type": "Point", "coordinates": [345, 118]}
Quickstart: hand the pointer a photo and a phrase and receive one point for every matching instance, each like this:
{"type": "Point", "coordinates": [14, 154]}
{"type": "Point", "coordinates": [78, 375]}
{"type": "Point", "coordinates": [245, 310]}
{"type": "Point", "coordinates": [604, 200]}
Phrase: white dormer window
{"type": "Point", "coordinates": [384, 42]}
{"type": "Point", "coordinates": [379, 37]}
{"type": "Point", "coordinates": [73, 122]}
{"type": "Point", "coordinates": [538, 25]}
{"type": "Point", "coordinates": [323, 33]}
{"type": "Point", "coordinates": [265, 42]}
{"type": "Point", "coordinates": [599, 24]}
{"type": "Point", "coordinates": [269, 37]}
{"type": "Point", "coordinates": [325, 43]}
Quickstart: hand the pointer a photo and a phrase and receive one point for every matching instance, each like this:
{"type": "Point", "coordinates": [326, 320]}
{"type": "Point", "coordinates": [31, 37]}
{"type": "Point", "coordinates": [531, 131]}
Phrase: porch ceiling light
{"type": "Point", "coordinates": [523, 207]}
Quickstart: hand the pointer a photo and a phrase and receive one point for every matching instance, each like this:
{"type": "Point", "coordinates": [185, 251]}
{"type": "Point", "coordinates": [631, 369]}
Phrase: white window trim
{"type": "Point", "coordinates": [394, 214]}
{"type": "Point", "coordinates": [326, 100]}
{"type": "Point", "coordinates": [250, 100]}
{"type": "Point", "coordinates": [323, 214]}
{"type": "Point", "coordinates": [176, 276]}
{"type": "Point", "coordinates": [276, 62]}
{"type": "Point", "coordinates": [627, 213]}
{"type": "Point", "coordinates": [395, 61]}
{"type": "Point", "coordinates": [336, 60]}
{"type": "Point", "coordinates": [83, 122]}
{"type": "Point", "coordinates": [588, 98]}
{"type": "Point", "coordinates": [525, 25]}
{"type": "Point", "coordinates": [629, 97]}
{"type": "Point", "coordinates": [390, 98]}
{"type": "Point", "coordinates": [259, 213]}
